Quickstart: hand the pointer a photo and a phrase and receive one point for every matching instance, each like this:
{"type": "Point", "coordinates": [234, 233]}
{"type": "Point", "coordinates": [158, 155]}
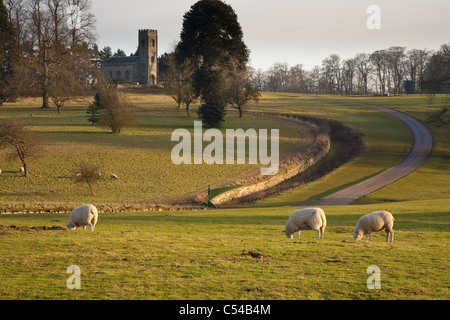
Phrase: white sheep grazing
{"type": "Point", "coordinates": [374, 221]}
{"type": "Point", "coordinates": [83, 216]}
{"type": "Point", "coordinates": [306, 219]}
{"type": "Point", "coordinates": [113, 176]}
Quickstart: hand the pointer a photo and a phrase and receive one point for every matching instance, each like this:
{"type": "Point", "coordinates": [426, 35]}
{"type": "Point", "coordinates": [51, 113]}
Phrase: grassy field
{"type": "Point", "coordinates": [140, 157]}
{"type": "Point", "coordinates": [388, 141]}
{"type": "Point", "coordinates": [229, 253]}
{"type": "Point", "coordinates": [205, 255]}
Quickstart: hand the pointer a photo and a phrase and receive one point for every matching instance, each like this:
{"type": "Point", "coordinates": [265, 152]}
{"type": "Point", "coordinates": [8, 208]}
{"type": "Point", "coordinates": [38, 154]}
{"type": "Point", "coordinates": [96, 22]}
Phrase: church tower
{"type": "Point", "coordinates": [147, 65]}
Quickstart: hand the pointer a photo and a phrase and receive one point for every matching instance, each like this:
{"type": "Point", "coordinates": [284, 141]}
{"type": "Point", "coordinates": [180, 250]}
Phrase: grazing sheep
{"type": "Point", "coordinates": [83, 216]}
{"type": "Point", "coordinates": [374, 221]}
{"type": "Point", "coordinates": [113, 176]}
{"type": "Point", "coordinates": [22, 169]}
{"type": "Point", "coordinates": [306, 219]}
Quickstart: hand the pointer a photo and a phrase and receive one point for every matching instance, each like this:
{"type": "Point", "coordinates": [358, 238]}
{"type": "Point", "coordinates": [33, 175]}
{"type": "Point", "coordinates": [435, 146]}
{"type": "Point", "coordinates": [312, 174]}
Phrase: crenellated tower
{"type": "Point", "coordinates": [148, 55]}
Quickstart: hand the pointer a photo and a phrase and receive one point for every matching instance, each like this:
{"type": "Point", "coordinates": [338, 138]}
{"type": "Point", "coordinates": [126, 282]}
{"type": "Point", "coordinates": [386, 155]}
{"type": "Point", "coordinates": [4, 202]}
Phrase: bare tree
{"type": "Point", "coordinates": [396, 65]}
{"type": "Point", "coordinates": [364, 68]}
{"type": "Point", "coordinates": [415, 64]}
{"type": "Point", "coordinates": [277, 77]}
{"type": "Point", "coordinates": [332, 70]}
{"type": "Point", "coordinates": [241, 89]}
{"type": "Point", "coordinates": [348, 71]}
{"type": "Point", "coordinates": [23, 142]}
{"type": "Point", "coordinates": [259, 80]}
{"type": "Point", "coordinates": [87, 173]}
{"type": "Point", "coordinates": [48, 31]}
{"type": "Point", "coordinates": [178, 81]}
{"type": "Point", "coordinates": [117, 112]}
{"type": "Point", "coordinates": [379, 61]}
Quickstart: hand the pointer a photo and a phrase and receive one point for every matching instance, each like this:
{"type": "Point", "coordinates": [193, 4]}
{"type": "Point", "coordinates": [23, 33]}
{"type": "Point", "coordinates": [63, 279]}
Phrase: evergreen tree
{"type": "Point", "coordinates": [212, 38]}
{"type": "Point", "coordinates": [93, 110]}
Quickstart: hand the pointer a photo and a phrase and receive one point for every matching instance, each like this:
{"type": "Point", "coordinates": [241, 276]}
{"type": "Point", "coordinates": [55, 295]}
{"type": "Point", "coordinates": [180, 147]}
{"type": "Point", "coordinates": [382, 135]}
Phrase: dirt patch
{"type": "Point", "coordinates": [254, 254]}
{"type": "Point", "coordinates": [28, 228]}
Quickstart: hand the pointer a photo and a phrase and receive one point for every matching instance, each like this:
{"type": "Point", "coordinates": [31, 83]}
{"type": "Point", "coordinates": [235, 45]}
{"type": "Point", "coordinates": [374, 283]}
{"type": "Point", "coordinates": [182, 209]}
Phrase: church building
{"type": "Point", "coordinates": [141, 69]}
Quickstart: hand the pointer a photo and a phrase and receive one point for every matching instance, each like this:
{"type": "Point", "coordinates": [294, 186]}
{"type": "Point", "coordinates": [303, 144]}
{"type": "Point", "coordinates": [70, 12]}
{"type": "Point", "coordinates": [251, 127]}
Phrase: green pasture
{"type": "Point", "coordinates": [387, 140]}
{"type": "Point", "coordinates": [229, 253]}
{"type": "Point", "coordinates": [140, 157]}
{"type": "Point", "coordinates": [226, 254]}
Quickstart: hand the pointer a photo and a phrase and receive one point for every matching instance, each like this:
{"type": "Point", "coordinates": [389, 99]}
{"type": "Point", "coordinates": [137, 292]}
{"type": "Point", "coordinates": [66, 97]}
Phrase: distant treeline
{"type": "Point", "coordinates": [395, 70]}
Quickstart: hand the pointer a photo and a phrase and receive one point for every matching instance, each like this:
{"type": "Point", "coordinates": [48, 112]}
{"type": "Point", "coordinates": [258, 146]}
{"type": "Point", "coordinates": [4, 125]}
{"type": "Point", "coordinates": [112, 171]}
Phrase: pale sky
{"type": "Point", "coordinates": [287, 31]}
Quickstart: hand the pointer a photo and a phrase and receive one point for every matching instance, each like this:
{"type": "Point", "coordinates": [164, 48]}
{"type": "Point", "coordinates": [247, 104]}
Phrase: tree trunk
{"type": "Point", "coordinates": [45, 103]}
{"type": "Point", "coordinates": [90, 188]}
{"type": "Point", "coordinates": [25, 169]}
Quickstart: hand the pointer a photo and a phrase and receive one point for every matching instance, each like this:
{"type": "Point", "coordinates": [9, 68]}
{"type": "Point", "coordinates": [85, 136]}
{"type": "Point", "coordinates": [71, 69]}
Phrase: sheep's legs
{"type": "Point", "coordinates": [319, 234]}
{"type": "Point", "coordinates": [389, 234]}
{"type": "Point", "coordinates": [369, 236]}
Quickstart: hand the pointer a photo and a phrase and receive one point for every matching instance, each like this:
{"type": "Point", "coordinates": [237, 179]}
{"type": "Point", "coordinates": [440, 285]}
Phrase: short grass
{"type": "Point", "coordinates": [204, 255]}
{"type": "Point", "coordinates": [140, 156]}
{"type": "Point", "coordinates": [432, 179]}
{"type": "Point", "coordinates": [387, 140]}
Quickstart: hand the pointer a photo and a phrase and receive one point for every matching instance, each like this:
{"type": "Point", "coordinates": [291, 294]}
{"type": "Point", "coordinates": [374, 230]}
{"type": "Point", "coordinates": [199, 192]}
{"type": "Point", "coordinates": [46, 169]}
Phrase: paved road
{"type": "Point", "coordinates": [420, 149]}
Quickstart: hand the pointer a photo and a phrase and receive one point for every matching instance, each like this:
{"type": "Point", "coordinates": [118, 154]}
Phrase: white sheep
{"type": "Point", "coordinates": [83, 216]}
{"type": "Point", "coordinates": [374, 221]}
{"type": "Point", "coordinates": [306, 219]}
{"type": "Point", "coordinates": [113, 176]}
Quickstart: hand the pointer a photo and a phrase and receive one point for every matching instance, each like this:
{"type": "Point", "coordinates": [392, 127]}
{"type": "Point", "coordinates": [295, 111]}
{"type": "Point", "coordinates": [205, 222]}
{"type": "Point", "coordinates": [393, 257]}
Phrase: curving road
{"type": "Point", "coordinates": [422, 144]}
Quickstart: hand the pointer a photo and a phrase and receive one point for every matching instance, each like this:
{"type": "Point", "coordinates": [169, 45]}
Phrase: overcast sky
{"type": "Point", "coordinates": [287, 31]}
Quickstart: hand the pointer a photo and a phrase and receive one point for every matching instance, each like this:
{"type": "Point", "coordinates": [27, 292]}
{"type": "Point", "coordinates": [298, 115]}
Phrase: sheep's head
{"type": "Point", "coordinates": [69, 226]}
{"type": "Point", "coordinates": [357, 235]}
{"type": "Point", "coordinates": [289, 235]}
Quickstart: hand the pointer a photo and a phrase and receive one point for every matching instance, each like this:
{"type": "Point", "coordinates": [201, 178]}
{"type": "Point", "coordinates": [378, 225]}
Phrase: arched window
{"type": "Point", "coordinates": [152, 59]}
{"type": "Point", "coordinates": [127, 75]}
{"type": "Point", "coordinates": [118, 74]}
{"type": "Point", "coordinates": [153, 78]}
{"type": "Point", "coordinates": [153, 42]}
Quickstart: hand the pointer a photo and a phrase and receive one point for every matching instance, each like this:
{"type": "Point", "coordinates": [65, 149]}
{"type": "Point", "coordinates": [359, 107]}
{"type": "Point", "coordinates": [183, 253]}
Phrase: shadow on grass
{"type": "Point", "coordinates": [338, 223]}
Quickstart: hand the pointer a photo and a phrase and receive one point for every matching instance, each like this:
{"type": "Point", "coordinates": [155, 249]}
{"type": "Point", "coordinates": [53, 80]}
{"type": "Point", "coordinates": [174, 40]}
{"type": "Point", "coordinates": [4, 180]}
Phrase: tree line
{"type": "Point", "coordinates": [47, 49]}
{"type": "Point", "coordinates": [395, 70]}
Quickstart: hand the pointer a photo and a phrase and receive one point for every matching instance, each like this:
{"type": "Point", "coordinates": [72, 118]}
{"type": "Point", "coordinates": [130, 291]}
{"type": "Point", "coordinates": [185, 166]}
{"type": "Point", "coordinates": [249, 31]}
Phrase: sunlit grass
{"type": "Point", "coordinates": [204, 255]}
{"type": "Point", "coordinates": [140, 156]}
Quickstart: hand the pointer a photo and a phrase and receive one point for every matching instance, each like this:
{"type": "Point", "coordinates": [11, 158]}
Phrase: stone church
{"type": "Point", "coordinates": [141, 69]}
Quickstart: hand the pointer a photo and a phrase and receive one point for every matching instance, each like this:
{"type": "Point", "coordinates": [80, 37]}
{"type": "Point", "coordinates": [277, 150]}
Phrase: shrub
{"type": "Point", "coordinates": [117, 111]}
{"type": "Point", "coordinates": [87, 173]}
